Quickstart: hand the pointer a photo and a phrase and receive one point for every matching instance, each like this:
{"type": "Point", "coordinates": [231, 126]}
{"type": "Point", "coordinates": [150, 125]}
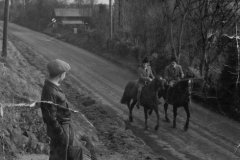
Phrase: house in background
{"type": "Point", "coordinates": [72, 18]}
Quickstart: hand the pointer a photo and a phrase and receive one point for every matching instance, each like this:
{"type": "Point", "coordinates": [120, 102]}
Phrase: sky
{"type": "Point", "coordinates": [99, 1]}
{"type": "Point", "coordinates": [104, 1]}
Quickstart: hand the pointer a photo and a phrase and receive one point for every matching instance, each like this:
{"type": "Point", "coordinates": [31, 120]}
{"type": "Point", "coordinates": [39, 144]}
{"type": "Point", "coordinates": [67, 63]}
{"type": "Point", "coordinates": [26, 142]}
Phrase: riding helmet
{"type": "Point", "coordinates": [145, 60]}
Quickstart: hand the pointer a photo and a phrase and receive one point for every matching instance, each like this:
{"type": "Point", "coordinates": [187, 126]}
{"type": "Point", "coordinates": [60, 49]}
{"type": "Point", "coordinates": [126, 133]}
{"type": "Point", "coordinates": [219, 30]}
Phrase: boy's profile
{"type": "Point", "coordinates": [57, 116]}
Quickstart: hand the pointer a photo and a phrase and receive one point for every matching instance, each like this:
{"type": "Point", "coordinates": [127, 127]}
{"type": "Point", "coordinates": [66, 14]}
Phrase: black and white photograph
{"type": "Point", "coordinates": [119, 80]}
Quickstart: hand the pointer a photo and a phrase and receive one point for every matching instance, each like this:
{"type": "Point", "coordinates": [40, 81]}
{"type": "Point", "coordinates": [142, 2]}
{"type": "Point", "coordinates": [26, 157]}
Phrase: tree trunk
{"type": "Point", "coordinates": [171, 39]}
{"type": "Point", "coordinates": [5, 29]}
{"type": "Point", "coordinates": [202, 60]}
{"type": "Point", "coordinates": [178, 54]}
{"type": "Point", "coordinates": [206, 70]}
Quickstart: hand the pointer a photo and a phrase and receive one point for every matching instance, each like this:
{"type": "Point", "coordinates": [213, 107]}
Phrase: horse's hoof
{"type": "Point", "coordinates": [167, 120]}
{"type": "Point", "coordinates": [156, 127]}
{"type": "Point", "coordinates": [146, 128]}
{"type": "Point", "coordinates": [131, 119]}
{"type": "Point", "coordinates": [185, 128]}
{"type": "Point", "coordinates": [174, 126]}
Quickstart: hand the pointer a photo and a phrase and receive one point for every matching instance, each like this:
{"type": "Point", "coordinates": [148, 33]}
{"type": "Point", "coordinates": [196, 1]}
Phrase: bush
{"type": "Point", "coordinates": [111, 43]}
{"type": "Point", "coordinates": [135, 50]}
{"type": "Point", "coordinates": [184, 61]}
{"type": "Point", "coordinates": [100, 38]}
{"type": "Point", "coordinates": [160, 64]}
{"type": "Point", "coordinates": [228, 92]}
{"type": "Point", "coordinates": [122, 49]}
{"type": "Point", "coordinates": [142, 53]}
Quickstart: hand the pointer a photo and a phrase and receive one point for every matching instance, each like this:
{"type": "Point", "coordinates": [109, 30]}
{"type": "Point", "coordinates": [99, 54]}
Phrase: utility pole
{"type": "Point", "coordinates": [111, 25]}
{"type": "Point", "coordinates": [5, 29]}
{"type": "Point", "coordinates": [24, 6]}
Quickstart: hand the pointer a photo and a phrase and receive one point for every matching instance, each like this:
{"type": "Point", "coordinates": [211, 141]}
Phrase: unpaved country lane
{"type": "Point", "coordinates": [210, 137]}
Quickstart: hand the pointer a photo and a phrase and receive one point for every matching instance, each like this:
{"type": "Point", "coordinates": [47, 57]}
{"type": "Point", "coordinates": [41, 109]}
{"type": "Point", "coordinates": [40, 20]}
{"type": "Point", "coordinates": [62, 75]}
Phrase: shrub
{"type": "Point", "coordinates": [227, 82]}
{"type": "Point", "coordinates": [160, 64]}
{"type": "Point", "coordinates": [110, 44]}
{"type": "Point", "coordinates": [142, 53]}
{"type": "Point", "coordinates": [121, 49]}
{"type": "Point", "coordinates": [135, 52]}
{"type": "Point", "coordinates": [184, 62]}
{"type": "Point", "coordinates": [100, 38]}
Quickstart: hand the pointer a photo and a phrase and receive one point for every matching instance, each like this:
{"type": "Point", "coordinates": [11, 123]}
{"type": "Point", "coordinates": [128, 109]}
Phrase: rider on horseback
{"type": "Point", "coordinates": [173, 73]}
{"type": "Point", "coordinates": [145, 76]}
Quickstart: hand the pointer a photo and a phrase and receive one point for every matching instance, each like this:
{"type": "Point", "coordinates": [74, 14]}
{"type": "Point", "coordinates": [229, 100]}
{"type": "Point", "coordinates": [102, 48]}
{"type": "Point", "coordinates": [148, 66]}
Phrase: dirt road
{"type": "Point", "coordinates": [210, 137]}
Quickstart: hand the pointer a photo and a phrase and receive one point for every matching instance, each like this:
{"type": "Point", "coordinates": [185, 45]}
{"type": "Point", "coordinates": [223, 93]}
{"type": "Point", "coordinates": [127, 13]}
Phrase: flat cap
{"type": "Point", "coordinates": [57, 66]}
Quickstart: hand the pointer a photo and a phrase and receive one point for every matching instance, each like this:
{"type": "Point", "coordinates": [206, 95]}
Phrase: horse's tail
{"type": "Point", "coordinates": [124, 98]}
{"type": "Point", "coordinates": [127, 92]}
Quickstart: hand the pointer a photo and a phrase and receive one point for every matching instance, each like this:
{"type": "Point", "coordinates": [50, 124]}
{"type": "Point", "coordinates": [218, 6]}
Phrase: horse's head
{"type": "Point", "coordinates": [183, 88]}
{"type": "Point", "coordinates": [158, 83]}
{"type": "Point", "coordinates": [189, 76]}
{"type": "Point", "coordinates": [186, 84]}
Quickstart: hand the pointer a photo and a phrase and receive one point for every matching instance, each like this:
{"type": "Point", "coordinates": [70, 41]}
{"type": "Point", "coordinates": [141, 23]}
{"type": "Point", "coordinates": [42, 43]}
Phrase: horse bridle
{"type": "Point", "coordinates": [190, 83]}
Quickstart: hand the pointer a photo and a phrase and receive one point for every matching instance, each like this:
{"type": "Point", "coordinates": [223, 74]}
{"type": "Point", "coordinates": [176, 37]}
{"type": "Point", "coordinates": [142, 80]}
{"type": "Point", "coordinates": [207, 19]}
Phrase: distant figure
{"type": "Point", "coordinates": [63, 144]}
{"type": "Point", "coordinates": [145, 76]}
{"type": "Point", "coordinates": [173, 73]}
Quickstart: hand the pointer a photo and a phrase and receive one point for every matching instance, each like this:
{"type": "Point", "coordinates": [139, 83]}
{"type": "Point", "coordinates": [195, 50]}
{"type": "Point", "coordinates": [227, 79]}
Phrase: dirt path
{"type": "Point", "coordinates": [210, 137]}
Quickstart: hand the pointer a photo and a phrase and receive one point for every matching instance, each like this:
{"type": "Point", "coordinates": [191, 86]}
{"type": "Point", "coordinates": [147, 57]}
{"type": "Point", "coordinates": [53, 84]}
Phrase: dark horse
{"type": "Point", "coordinates": [149, 98]}
{"type": "Point", "coordinates": [181, 92]}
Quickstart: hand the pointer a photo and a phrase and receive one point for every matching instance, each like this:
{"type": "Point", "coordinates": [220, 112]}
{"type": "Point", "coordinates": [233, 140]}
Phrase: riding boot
{"type": "Point", "coordinates": [168, 99]}
{"type": "Point", "coordinates": [138, 99]}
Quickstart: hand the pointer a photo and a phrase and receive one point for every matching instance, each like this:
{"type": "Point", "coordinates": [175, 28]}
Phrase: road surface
{"type": "Point", "coordinates": [210, 136]}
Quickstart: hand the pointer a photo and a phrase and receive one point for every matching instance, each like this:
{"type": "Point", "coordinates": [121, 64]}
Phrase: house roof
{"type": "Point", "coordinates": [62, 12]}
{"type": "Point", "coordinates": [72, 22]}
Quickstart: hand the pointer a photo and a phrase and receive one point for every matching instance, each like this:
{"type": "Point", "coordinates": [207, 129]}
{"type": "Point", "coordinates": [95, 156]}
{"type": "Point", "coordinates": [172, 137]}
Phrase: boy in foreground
{"type": "Point", "coordinates": [57, 116]}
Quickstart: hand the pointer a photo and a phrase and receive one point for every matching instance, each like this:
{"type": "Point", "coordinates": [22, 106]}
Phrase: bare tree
{"type": "Point", "coordinates": [176, 12]}
{"type": "Point", "coordinates": [79, 2]}
{"type": "Point", "coordinates": [211, 20]}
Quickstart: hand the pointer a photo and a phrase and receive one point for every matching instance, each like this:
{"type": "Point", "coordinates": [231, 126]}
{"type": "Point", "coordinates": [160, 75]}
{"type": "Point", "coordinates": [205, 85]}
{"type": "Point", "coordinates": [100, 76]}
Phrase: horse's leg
{"type": "Point", "coordinates": [150, 112]}
{"type": "Point", "coordinates": [159, 96]}
{"type": "Point", "coordinates": [174, 116]}
{"type": "Point", "coordinates": [131, 108]}
{"type": "Point", "coordinates": [157, 113]}
{"type": "Point", "coordinates": [165, 110]}
{"type": "Point", "coordinates": [130, 111]}
{"type": "Point", "coordinates": [186, 107]}
{"type": "Point", "coordinates": [146, 117]}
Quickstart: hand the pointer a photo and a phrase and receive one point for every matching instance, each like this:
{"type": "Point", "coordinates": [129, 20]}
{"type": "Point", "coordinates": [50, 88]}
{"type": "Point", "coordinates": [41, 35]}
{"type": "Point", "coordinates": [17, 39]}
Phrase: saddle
{"type": "Point", "coordinates": [146, 84]}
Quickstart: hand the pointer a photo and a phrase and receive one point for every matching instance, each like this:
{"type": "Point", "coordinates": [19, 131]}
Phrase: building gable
{"type": "Point", "coordinates": [62, 12]}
